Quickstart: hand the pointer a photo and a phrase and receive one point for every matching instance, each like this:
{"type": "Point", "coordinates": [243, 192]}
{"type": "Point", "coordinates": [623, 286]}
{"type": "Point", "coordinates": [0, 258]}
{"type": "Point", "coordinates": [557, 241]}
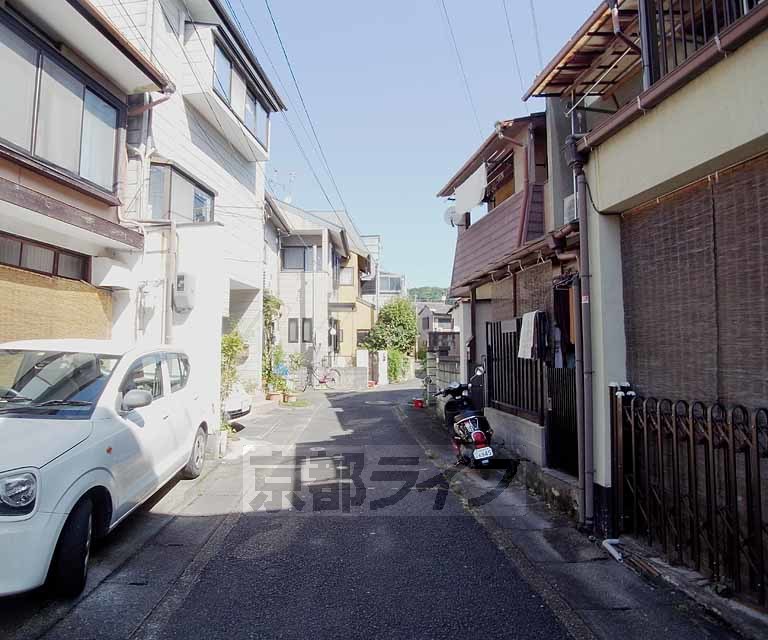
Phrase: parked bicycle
{"type": "Point", "coordinates": [327, 377]}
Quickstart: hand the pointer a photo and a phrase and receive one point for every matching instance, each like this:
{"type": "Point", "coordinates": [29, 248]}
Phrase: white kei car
{"type": "Point", "coordinates": [88, 431]}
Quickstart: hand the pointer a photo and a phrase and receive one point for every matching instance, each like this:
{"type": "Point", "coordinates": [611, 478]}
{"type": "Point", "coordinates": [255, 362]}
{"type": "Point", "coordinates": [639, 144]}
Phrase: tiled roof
{"type": "Point", "coordinates": [486, 245]}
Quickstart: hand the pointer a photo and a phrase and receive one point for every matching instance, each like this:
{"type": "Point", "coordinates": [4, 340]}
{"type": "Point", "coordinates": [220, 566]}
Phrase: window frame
{"type": "Point", "coordinates": [293, 323]}
{"type": "Point", "coordinates": [250, 89]}
{"type": "Point", "coordinates": [56, 252]}
{"type": "Point", "coordinates": [44, 49]}
{"type": "Point", "coordinates": [161, 361]}
{"type": "Point", "coordinates": [311, 258]}
{"type": "Point", "coordinates": [168, 192]}
{"type": "Point", "coordinates": [304, 325]}
{"type": "Point", "coordinates": [183, 360]}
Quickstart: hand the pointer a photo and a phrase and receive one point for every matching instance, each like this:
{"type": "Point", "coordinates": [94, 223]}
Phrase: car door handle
{"type": "Point", "coordinates": [166, 417]}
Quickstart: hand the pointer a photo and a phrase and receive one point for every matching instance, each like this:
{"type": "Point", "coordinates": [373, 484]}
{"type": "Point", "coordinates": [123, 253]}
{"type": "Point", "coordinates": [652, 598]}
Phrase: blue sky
{"type": "Point", "coordinates": [384, 90]}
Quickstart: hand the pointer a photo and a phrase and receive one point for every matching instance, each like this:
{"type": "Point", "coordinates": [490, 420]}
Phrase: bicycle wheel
{"type": "Point", "coordinates": [332, 378]}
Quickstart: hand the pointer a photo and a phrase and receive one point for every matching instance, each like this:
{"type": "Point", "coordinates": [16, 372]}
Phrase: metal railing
{"type": "Point", "coordinates": [681, 27]}
{"type": "Point", "coordinates": [692, 480]}
{"type": "Point", "coordinates": [515, 385]}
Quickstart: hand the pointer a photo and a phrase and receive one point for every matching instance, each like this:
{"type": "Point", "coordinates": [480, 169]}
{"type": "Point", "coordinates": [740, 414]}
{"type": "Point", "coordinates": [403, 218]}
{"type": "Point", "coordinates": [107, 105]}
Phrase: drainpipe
{"type": "Point", "coordinates": [580, 406]}
{"type": "Point", "coordinates": [170, 276]}
{"type": "Point", "coordinates": [576, 161]}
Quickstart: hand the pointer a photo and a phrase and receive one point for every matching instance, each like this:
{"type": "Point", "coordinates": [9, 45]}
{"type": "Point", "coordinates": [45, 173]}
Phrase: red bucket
{"type": "Point", "coordinates": [418, 403]}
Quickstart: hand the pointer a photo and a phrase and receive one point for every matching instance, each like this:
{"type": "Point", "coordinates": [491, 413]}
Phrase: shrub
{"type": "Point", "coordinates": [397, 365]}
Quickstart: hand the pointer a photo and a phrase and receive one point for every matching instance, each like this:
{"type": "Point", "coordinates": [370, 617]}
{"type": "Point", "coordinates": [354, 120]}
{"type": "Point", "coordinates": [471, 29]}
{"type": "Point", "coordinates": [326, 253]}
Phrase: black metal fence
{"type": "Point", "coordinates": [692, 480]}
{"type": "Point", "coordinates": [515, 385]}
{"type": "Point", "coordinates": [562, 439]}
{"type": "Point", "coordinates": [681, 27]}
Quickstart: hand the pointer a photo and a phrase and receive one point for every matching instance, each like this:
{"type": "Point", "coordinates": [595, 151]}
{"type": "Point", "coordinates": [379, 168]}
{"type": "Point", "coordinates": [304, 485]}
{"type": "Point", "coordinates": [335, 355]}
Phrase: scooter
{"type": "Point", "coordinates": [471, 432]}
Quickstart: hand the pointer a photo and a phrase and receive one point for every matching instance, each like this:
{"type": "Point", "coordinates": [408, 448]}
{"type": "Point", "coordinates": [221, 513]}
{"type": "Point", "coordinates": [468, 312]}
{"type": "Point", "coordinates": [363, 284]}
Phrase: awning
{"type": "Point", "coordinates": [597, 57]}
{"type": "Point", "coordinates": [85, 30]}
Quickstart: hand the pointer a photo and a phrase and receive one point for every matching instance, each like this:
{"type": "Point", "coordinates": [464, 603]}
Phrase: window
{"type": "Point", "coordinates": [362, 336]}
{"type": "Point", "coordinates": [74, 127]}
{"type": "Point", "coordinates": [444, 322]}
{"type": "Point", "coordinates": [293, 330]}
{"type": "Point", "coordinates": [147, 375]}
{"type": "Point", "coordinates": [301, 258]}
{"type": "Point", "coordinates": [425, 324]}
{"type": "Point", "coordinates": [18, 60]}
{"type": "Point", "coordinates": [250, 112]}
{"type": "Point", "coordinates": [369, 287]}
{"type": "Point", "coordinates": [306, 330]}
{"type": "Point", "coordinates": [232, 87]}
{"type": "Point", "coordinates": [178, 371]}
{"type": "Point", "coordinates": [222, 74]}
{"type": "Point", "coordinates": [391, 284]}
{"type": "Point", "coordinates": [172, 195]}
{"type": "Point", "coordinates": [41, 258]}
{"type": "Point", "coordinates": [348, 276]}
{"type": "Point", "coordinates": [97, 152]}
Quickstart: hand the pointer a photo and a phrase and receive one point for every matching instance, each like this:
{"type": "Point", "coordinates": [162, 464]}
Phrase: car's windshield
{"type": "Point", "coordinates": [52, 383]}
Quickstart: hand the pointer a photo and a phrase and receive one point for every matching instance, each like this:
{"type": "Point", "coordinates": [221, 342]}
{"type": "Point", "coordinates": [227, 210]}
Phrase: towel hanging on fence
{"type": "Point", "coordinates": [525, 350]}
{"type": "Point", "coordinates": [534, 337]}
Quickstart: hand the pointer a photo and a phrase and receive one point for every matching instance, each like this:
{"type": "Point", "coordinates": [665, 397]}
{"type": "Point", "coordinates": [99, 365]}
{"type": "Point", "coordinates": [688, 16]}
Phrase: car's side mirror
{"type": "Point", "coordinates": [136, 399]}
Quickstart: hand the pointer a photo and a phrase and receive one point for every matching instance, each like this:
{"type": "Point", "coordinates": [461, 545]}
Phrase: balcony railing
{"type": "Point", "coordinates": [679, 28]}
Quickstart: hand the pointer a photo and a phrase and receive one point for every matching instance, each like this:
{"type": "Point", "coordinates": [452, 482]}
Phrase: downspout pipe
{"type": "Point", "coordinates": [580, 406]}
{"type": "Point", "coordinates": [576, 160]}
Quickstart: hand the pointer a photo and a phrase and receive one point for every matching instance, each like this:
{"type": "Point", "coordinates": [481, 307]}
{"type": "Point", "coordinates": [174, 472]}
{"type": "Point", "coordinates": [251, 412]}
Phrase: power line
{"type": "Point", "coordinates": [271, 63]}
{"type": "Point", "coordinates": [461, 68]}
{"type": "Point", "coordinates": [304, 106]}
{"type": "Point", "coordinates": [514, 53]}
{"type": "Point", "coordinates": [285, 117]}
{"type": "Point", "coordinates": [536, 34]}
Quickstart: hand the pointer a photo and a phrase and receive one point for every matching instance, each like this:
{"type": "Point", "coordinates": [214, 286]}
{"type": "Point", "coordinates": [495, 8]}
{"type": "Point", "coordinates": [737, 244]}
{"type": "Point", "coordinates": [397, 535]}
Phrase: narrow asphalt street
{"type": "Point", "coordinates": [334, 519]}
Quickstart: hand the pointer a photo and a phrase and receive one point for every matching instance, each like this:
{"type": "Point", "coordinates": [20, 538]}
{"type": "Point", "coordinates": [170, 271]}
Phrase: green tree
{"type": "Point", "coordinates": [428, 294]}
{"type": "Point", "coordinates": [396, 329]}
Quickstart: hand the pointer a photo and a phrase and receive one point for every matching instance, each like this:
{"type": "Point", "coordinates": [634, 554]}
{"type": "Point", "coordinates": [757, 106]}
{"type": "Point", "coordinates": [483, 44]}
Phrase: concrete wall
{"type": "Point", "coordinates": [525, 438]}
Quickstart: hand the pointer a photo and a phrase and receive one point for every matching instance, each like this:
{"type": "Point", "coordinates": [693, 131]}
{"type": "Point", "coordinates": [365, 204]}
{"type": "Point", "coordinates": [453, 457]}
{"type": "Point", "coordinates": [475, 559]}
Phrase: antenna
{"type": "Point", "coordinates": [453, 217]}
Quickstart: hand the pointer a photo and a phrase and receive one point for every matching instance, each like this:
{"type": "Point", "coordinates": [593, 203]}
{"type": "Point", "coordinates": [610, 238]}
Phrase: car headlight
{"type": "Point", "coordinates": [18, 492]}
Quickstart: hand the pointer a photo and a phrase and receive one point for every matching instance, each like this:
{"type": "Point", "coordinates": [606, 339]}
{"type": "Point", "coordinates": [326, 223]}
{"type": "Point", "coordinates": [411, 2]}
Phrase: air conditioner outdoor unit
{"type": "Point", "coordinates": [569, 208]}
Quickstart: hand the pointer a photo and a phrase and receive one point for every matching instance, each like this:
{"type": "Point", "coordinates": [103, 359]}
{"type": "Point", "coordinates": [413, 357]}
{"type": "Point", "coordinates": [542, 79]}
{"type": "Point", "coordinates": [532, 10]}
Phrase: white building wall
{"type": "Point", "coordinates": [306, 295]}
{"type": "Point", "coordinates": [226, 254]}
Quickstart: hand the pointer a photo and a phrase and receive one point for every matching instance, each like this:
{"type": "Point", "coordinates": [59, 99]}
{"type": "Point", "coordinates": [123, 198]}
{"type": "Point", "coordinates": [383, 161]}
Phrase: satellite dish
{"type": "Point", "coordinates": [453, 217]}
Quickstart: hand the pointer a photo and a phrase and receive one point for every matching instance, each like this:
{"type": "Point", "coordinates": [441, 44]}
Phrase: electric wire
{"type": "Point", "coordinates": [304, 106]}
{"type": "Point", "coordinates": [536, 35]}
{"type": "Point", "coordinates": [461, 67]}
{"type": "Point", "coordinates": [514, 53]}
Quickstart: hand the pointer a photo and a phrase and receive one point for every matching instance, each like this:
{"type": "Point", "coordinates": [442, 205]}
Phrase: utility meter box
{"type": "Point", "coordinates": [184, 292]}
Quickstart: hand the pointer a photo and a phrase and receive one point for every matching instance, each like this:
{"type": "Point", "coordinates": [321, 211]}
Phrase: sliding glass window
{"type": "Point", "coordinates": [64, 119]}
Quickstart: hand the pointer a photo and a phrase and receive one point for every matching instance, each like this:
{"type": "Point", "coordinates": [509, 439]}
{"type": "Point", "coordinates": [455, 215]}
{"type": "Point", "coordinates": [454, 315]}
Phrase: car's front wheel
{"type": "Point", "coordinates": [69, 568]}
{"type": "Point", "coordinates": [196, 460]}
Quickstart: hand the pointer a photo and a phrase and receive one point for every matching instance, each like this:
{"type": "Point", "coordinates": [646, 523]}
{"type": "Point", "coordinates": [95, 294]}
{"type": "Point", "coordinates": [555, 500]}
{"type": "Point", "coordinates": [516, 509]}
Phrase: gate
{"type": "Point", "coordinates": [692, 480]}
{"type": "Point", "coordinates": [562, 439]}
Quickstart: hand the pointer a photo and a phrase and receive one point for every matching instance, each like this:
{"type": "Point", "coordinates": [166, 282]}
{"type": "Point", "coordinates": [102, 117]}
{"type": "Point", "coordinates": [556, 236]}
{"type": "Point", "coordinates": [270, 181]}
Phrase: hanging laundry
{"type": "Point", "coordinates": [525, 349]}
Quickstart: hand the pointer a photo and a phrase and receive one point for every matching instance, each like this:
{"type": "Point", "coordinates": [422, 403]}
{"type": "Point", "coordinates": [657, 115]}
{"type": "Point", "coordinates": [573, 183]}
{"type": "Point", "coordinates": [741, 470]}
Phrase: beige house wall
{"type": "Point", "coordinates": [718, 119]}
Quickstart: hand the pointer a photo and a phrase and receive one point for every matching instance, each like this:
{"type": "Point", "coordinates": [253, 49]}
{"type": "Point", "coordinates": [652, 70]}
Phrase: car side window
{"type": "Point", "coordinates": [146, 374]}
{"type": "Point", "coordinates": [178, 370]}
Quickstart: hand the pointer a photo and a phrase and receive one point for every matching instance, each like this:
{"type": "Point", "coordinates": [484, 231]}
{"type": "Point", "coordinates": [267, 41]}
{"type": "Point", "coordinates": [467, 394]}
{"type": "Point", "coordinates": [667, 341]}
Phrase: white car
{"type": "Point", "coordinates": [88, 431]}
{"type": "Point", "coordinates": [239, 402]}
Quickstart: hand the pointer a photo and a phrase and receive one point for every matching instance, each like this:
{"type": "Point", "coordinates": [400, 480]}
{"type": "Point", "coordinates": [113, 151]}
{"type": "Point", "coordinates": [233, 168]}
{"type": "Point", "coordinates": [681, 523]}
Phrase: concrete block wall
{"type": "Point", "coordinates": [525, 438]}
